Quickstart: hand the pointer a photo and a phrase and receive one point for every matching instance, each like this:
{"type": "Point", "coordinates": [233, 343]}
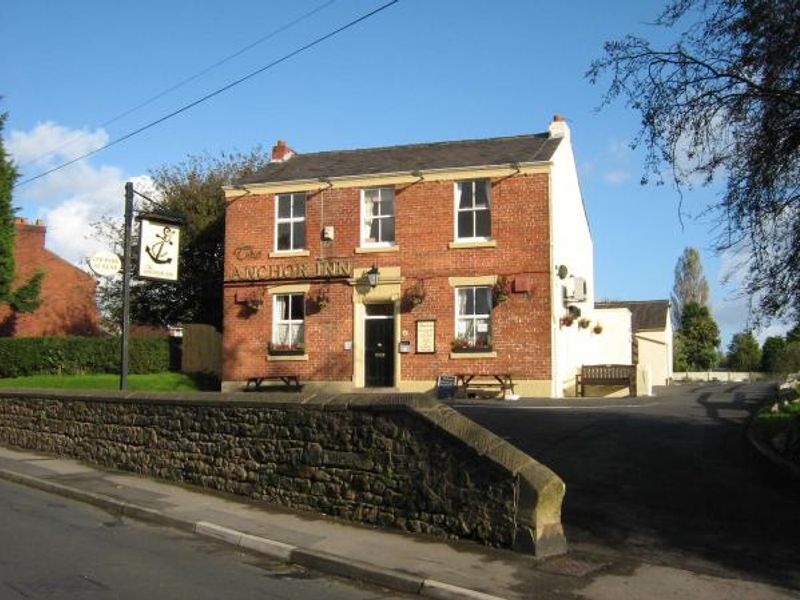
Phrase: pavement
{"type": "Point", "coordinates": [403, 562]}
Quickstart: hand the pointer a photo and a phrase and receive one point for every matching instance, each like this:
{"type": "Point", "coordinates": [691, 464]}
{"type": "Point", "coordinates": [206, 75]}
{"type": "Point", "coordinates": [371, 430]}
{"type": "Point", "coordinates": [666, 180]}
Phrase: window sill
{"type": "Point", "coordinates": [288, 253]}
{"type": "Point", "coordinates": [374, 249]}
{"type": "Point", "coordinates": [286, 357]}
{"type": "Point", "coordinates": [472, 244]}
{"type": "Point", "coordinates": [469, 355]}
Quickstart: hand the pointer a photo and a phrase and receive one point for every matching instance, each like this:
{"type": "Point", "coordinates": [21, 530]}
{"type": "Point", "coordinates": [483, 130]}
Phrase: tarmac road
{"type": "Point", "coordinates": [56, 548]}
{"type": "Point", "coordinates": [669, 479]}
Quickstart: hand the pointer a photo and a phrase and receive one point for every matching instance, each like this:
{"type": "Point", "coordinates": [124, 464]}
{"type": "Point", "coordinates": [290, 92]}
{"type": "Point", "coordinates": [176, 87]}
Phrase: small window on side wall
{"type": "Point", "coordinates": [473, 210]}
{"type": "Point", "coordinates": [290, 222]}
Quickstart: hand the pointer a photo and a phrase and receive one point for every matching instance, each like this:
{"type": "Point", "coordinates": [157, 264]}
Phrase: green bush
{"type": "Point", "coordinates": [20, 357]}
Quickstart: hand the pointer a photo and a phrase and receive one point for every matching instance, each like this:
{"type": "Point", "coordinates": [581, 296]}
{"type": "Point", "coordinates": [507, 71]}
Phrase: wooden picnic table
{"type": "Point", "coordinates": [288, 380]}
{"type": "Point", "coordinates": [500, 381]}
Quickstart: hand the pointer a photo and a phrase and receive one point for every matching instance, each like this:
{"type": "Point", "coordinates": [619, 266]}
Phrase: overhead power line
{"type": "Point", "coordinates": [216, 92]}
{"type": "Point", "coordinates": [183, 82]}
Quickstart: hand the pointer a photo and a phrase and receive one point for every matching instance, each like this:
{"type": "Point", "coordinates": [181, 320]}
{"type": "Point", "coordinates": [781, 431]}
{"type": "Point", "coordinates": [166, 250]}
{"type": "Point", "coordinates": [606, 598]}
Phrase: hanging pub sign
{"type": "Point", "coordinates": [159, 245]}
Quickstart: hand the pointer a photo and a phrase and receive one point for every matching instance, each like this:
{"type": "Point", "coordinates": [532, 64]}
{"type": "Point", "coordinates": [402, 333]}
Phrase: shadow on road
{"type": "Point", "coordinates": [675, 482]}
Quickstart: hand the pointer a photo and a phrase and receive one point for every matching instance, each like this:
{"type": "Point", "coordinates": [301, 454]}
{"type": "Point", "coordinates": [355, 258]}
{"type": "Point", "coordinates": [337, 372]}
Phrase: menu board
{"type": "Point", "coordinates": [426, 337]}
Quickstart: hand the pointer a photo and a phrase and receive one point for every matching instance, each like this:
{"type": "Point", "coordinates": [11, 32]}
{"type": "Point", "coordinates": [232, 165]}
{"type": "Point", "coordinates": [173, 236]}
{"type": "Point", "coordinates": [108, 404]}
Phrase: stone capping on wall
{"type": "Point", "coordinates": [538, 491]}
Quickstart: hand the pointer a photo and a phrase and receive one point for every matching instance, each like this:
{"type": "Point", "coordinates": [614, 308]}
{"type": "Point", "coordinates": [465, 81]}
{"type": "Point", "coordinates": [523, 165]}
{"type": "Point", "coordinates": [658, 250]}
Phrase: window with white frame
{"type": "Point", "coordinates": [377, 217]}
{"type": "Point", "coordinates": [290, 222]}
{"type": "Point", "coordinates": [473, 318]}
{"type": "Point", "coordinates": [288, 315]}
{"type": "Point", "coordinates": [473, 213]}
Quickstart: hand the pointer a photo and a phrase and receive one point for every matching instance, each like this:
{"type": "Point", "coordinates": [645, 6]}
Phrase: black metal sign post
{"type": "Point", "coordinates": [126, 287]}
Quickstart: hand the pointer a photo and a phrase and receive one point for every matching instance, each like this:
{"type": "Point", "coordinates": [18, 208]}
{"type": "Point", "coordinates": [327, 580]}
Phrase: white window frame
{"type": "Point", "coordinates": [291, 219]}
{"type": "Point", "coordinates": [277, 321]}
{"type": "Point", "coordinates": [456, 206]}
{"type": "Point", "coordinates": [363, 218]}
{"type": "Point", "coordinates": [475, 316]}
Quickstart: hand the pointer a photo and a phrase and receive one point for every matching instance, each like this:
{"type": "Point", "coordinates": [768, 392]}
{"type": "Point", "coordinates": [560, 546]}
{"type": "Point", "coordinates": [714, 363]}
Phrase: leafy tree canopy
{"type": "Point", "coordinates": [26, 298]}
{"type": "Point", "coordinates": [193, 191]}
{"type": "Point", "coordinates": [697, 339]}
{"type": "Point", "coordinates": [771, 354]}
{"type": "Point", "coordinates": [723, 101]}
{"type": "Point", "coordinates": [743, 352]}
{"type": "Point", "coordinates": [690, 283]}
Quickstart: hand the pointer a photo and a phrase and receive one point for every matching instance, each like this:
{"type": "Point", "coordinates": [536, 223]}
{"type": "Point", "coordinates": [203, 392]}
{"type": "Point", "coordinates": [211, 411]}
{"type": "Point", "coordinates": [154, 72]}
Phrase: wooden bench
{"type": "Point", "coordinates": [622, 375]}
{"type": "Point", "coordinates": [288, 381]}
{"type": "Point", "coordinates": [492, 381]}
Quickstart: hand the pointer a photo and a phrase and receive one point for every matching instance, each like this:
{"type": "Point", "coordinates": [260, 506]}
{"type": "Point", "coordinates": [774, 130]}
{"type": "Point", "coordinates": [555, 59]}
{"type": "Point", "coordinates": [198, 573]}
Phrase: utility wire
{"type": "Point", "coordinates": [216, 92]}
{"type": "Point", "coordinates": [183, 82]}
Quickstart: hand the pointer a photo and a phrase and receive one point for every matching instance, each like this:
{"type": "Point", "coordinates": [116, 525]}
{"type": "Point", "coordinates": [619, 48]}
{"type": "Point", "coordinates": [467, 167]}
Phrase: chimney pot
{"type": "Point", "coordinates": [281, 151]}
{"type": "Point", "coordinates": [39, 223]}
{"type": "Point", "coordinates": [558, 118]}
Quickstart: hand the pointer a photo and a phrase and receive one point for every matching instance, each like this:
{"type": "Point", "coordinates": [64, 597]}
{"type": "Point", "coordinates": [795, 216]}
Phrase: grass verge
{"type": "Point", "coordinates": [154, 382]}
{"type": "Point", "coordinates": [778, 425]}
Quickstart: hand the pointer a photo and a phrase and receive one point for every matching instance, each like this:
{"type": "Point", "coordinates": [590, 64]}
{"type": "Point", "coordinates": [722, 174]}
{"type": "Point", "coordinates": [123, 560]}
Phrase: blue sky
{"type": "Point", "coordinates": [422, 70]}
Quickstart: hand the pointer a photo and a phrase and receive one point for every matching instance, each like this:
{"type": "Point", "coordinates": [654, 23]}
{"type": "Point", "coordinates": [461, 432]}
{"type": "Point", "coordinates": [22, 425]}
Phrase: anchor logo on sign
{"type": "Point", "coordinates": [158, 251]}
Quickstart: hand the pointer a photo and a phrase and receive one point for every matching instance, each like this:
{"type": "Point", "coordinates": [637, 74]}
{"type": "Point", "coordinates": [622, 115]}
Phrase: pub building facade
{"type": "Point", "coordinates": [388, 267]}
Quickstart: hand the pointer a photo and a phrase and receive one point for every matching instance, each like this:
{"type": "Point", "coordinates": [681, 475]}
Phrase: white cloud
{"type": "Point", "coordinates": [47, 141]}
{"type": "Point", "coordinates": [613, 164]}
{"type": "Point", "coordinates": [71, 199]}
{"type": "Point", "coordinates": [617, 176]}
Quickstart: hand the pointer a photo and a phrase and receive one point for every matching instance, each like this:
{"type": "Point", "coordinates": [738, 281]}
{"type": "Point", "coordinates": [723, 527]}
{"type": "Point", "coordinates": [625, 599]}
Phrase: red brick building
{"type": "Point", "coordinates": [463, 237]}
{"type": "Point", "coordinates": [68, 294]}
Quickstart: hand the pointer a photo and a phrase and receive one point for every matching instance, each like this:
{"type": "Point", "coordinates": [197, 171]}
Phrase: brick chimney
{"type": "Point", "coordinates": [558, 127]}
{"type": "Point", "coordinates": [281, 152]}
{"type": "Point", "coordinates": [29, 235]}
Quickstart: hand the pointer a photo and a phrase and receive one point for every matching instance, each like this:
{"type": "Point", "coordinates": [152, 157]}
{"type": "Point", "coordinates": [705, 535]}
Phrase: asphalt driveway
{"type": "Point", "coordinates": [669, 479]}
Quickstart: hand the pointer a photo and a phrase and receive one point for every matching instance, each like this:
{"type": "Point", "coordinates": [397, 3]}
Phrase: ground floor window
{"type": "Point", "coordinates": [288, 323]}
{"type": "Point", "coordinates": [473, 318]}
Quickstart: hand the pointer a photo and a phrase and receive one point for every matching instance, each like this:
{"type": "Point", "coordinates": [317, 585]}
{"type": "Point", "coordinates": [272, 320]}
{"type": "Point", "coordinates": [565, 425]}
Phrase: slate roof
{"type": "Point", "coordinates": [500, 151]}
{"type": "Point", "coordinates": [645, 314]}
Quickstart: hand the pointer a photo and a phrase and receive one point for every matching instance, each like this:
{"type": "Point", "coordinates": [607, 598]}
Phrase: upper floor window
{"type": "Point", "coordinates": [290, 221]}
{"type": "Point", "coordinates": [473, 317]}
{"type": "Point", "coordinates": [287, 322]}
{"type": "Point", "coordinates": [377, 217]}
{"type": "Point", "coordinates": [473, 214]}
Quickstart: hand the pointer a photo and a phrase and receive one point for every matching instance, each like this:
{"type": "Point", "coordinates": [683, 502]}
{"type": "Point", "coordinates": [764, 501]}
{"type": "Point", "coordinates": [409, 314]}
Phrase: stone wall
{"type": "Point", "coordinates": [404, 462]}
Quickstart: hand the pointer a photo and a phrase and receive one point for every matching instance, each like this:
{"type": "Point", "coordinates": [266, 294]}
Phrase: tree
{"type": "Point", "coordinates": [743, 352]}
{"type": "Point", "coordinates": [699, 338]}
{"type": "Point", "coordinates": [25, 298]}
{"type": "Point", "coordinates": [690, 284]}
{"type": "Point", "coordinates": [771, 354]}
{"type": "Point", "coordinates": [722, 101]}
{"type": "Point", "coordinates": [191, 190]}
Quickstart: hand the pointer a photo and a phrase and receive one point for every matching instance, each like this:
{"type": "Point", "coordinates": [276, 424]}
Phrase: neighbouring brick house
{"type": "Point", "coordinates": [68, 293]}
{"type": "Point", "coordinates": [482, 253]}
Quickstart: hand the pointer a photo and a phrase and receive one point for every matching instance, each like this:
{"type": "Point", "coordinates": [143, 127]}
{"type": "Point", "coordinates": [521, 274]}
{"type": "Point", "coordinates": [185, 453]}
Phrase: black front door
{"type": "Point", "coordinates": [379, 352]}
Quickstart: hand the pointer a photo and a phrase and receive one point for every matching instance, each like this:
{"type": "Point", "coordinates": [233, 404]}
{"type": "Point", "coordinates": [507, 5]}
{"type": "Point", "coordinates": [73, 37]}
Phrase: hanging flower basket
{"type": "Point", "coordinates": [598, 329]}
{"type": "Point", "coordinates": [501, 290]}
{"type": "Point", "coordinates": [584, 323]}
{"type": "Point", "coordinates": [567, 321]}
{"type": "Point", "coordinates": [321, 301]}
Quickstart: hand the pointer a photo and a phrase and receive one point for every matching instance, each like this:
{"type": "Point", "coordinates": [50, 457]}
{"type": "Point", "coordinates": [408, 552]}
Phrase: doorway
{"type": "Point", "coordinates": [379, 345]}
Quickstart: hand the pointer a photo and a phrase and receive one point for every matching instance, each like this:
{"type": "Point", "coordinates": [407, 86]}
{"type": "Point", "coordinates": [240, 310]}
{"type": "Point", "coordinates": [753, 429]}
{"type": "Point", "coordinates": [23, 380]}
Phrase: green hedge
{"type": "Point", "coordinates": [77, 355]}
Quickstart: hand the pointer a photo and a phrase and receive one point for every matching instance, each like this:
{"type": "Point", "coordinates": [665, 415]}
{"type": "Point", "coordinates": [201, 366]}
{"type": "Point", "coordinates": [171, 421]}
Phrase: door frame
{"type": "Point", "coordinates": [387, 291]}
{"type": "Point", "coordinates": [393, 345]}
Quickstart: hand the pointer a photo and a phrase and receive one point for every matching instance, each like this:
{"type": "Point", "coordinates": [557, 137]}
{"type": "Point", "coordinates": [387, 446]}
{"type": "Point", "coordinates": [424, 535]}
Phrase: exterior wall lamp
{"type": "Point", "coordinates": [373, 276]}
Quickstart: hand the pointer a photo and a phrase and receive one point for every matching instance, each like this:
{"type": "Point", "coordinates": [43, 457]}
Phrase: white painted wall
{"type": "Point", "coordinates": [614, 346]}
{"type": "Point", "coordinates": [571, 245]}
